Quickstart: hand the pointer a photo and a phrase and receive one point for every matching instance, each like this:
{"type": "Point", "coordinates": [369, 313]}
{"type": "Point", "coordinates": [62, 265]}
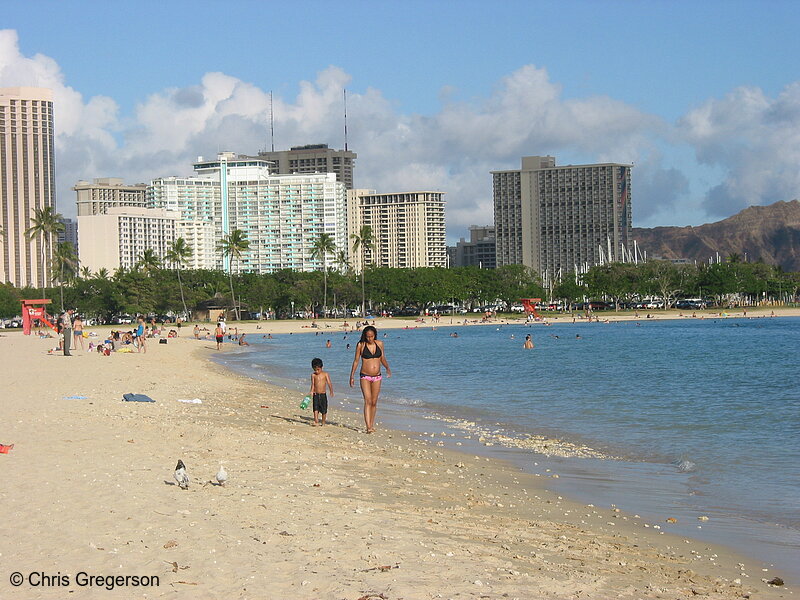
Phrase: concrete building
{"type": "Point", "coordinates": [281, 215]}
{"type": "Point", "coordinates": [198, 202]}
{"type": "Point", "coordinates": [313, 158]}
{"type": "Point", "coordinates": [70, 233]}
{"type": "Point", "coordinates": [556, 219]}
{"type": "Point", "coordinates": [119, 237]}
{"type": "Point", "coordinates": [107, 192]}
{"type": "Point", "coordinates": [408, 228]}
{"type": "Point", "coordinates": [479, 251]}
{"type": "Point", "coordinates": [27, 183]}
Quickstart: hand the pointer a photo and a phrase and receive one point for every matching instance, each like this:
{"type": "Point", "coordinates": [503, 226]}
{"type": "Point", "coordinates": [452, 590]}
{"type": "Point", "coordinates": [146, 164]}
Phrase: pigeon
{"type": "Point", "coordinates": [181, 476]}
{"type": "Point", "coordinates": [222, 475]}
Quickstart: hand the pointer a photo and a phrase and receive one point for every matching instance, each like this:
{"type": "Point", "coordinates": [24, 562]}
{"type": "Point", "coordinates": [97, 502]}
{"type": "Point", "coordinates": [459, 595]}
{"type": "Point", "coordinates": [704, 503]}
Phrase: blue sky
{"type": "Point", "coordinates": [703, 97]}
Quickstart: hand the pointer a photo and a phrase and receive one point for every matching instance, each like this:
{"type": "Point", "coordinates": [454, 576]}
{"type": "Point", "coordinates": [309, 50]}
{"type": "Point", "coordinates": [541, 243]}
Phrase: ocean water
{"type": "Point", "coordinates": [681, 419]}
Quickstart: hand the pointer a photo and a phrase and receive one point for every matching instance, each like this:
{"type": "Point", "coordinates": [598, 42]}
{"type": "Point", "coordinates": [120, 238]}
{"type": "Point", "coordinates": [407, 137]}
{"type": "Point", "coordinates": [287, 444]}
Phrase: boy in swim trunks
{"type": "Point", "coordinates": [320, 382]}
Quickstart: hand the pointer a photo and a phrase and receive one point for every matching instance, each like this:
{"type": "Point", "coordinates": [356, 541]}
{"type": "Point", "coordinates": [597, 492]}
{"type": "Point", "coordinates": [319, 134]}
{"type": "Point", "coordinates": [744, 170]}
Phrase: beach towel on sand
{"type": "Point", "coordinates": [136, 398]}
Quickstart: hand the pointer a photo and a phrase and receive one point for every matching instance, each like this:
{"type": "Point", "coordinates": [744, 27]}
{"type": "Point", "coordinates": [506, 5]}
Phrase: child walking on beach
{"type": "Point", "coordinates": [320, 382]}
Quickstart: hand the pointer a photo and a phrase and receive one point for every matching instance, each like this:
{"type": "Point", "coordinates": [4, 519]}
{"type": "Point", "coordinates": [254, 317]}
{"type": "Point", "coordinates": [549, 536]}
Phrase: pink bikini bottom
{"type": "Point", "coordinates": [370, 377]}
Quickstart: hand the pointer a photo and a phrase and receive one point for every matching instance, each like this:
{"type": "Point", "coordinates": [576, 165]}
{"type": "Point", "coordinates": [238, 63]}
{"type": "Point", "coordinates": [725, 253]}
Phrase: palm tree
{"type": "Point", "coordinates": [148, 261]}
{"type": "Point", "coordinates": [363, 240]}
{"type": "Point", "coordinates": [86, 273]}
{"type": "Point", "coordinates": [342, 261]}
{"type": "Point", "coordinates": [102, 273]}
{"type": "Point", "coordinates": [45, 223]}
{"type": "Point", "coordinates": [320, 249]}
{"type": "Point", "coordinates": [65, 263]}
{"type": "Point", "coordinates": [177, 254]}
{"type": "Point", "coordinates": [734, 257]}
{"type": "Point", "coordinates": [232, 246]}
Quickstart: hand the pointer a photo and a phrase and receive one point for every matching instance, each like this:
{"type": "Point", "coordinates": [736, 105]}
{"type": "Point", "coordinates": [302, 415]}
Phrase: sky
{"type": "Point", "coordinates": [703, 98]}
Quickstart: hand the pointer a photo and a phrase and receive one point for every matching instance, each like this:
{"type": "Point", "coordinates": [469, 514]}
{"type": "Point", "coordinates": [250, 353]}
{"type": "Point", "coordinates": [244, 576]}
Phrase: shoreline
{"type": "Point", "coordinates": [625, 483]}
{"type": "Point", "coordinates": [399, 516]}
{"type": "Point", "coordinates": [601, 317]}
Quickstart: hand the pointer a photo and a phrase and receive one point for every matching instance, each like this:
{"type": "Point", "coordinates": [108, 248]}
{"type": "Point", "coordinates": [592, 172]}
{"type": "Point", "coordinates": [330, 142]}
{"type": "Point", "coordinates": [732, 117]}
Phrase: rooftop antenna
{"type": "Point", "coordinates": [345, 119]}
{"type": "Point", "coordinates": [271, 123]}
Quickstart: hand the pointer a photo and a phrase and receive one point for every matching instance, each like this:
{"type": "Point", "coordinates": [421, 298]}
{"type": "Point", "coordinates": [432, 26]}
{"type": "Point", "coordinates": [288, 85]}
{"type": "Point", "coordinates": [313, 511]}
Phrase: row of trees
{"type": "Point", "coordinates": [726, 282]}
{"type": "Point", "coordinates": [65, 269]}
{"type": "Point", "coordinates": [151, 288]}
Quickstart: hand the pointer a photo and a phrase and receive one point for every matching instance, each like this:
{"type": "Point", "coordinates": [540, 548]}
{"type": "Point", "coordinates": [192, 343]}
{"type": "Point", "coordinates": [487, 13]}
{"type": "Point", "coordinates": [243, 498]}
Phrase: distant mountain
{"type": "Point", "coordinates": [770, 234]}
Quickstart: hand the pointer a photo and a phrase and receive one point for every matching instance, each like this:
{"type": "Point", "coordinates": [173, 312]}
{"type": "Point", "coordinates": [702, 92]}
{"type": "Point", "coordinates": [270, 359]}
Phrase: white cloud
{"type": "Point", "coordinates": [452, 150]}
{"type": "Point", "coordinates": [755, 140]}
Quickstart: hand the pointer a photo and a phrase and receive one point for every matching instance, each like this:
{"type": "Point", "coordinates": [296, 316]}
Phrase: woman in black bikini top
{"type": "Point", "coordinates": [367, 353]}
{"type": "Point", "coordinates": [370, 374]}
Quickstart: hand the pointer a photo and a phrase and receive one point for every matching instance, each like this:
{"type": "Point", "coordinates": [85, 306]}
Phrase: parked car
{"type": "Point", "coordinates": [121, 320]}
{"type": "Point", "coordinates": [441, 309]}
{"type": "Point", "coordinates": [691, 304]}
{"type": "Point", "coordinates": [487, 308]}
{"type": "Point", "coordinates": [594, 305]}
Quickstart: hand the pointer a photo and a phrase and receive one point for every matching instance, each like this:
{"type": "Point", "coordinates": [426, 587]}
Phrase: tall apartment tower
{"type": "Point", "coordinates": [408, 228]}
{"type": "Point", "coordinates": [97, 197]}
{"type": "Point", "coordinates": [313, 158]}
{"type": "Point", "coordinates": [559, 219]}
{"type": "Point", "coordinates": [282, 215]}
{"type": "Point", "coordinates": [198, 202]}
{"type": "Point", "coordinates": [27, 182]}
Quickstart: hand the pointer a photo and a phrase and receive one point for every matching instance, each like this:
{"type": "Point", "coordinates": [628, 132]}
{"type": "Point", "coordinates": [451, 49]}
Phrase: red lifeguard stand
{"type": "Point", "coordinates": [529, 304]}
{"type": "Point", "coordinates": [31, 312]}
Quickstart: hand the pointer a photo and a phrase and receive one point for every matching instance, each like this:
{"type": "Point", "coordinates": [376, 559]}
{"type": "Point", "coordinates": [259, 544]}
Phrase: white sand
{"type": "Point", "coordinates": [307, 512]}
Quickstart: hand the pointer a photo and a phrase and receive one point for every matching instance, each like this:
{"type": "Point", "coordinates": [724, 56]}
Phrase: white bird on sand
{"type": "Point", "coordinates": [181, 476]}
{"type": "Point", "coordinates": [222, 475]}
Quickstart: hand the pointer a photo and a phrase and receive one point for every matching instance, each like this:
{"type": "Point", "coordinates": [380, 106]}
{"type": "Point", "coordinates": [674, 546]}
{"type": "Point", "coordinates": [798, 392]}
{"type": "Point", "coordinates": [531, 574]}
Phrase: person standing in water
{"type": "Point", "coordinates": [372, 355]}
{"type": "Point", "coordinates": [528, 342]}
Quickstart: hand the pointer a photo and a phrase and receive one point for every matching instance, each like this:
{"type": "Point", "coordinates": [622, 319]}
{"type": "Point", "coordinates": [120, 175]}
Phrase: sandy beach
{"type": "Point", "coordinates": [307, 512]}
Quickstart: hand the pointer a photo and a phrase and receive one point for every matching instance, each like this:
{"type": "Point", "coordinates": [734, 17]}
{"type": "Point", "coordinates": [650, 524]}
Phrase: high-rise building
{"type": "Point", "coordinates": [558, 219]}
{"type": "Point", "coordinates": [313, 158]}
{"type": "Point", "coordinates": [479, 251]}
{"type": "Point", "coordinates": [282, 216]}
{"type": "Point", "coordinates": [27, 183]}
{"type": "Point", "coordinates": [119, 236]}
{"type": "Point", "coordinates": [107, 192]}
{"type": "Point", "coordinates": [70, 233]}
{"type": "Point", "coordinates": [408, 228]}
{"type": "Point", "coordinates": [198, 202]}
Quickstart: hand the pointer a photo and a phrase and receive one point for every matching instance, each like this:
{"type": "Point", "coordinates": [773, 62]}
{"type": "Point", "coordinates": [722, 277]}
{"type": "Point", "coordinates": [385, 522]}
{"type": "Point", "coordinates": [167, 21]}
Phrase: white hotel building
{"type": "Point", "coordinates": [117, 238]}
{"type": "Point", "coordinates": [281, 215]}
{"type": "Point", "coordinates": [196, 202]}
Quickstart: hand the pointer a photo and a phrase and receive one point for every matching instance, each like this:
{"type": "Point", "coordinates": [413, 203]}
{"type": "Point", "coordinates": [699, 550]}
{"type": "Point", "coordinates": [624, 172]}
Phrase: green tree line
{"type": "Point", "coordinates": [150, 288]}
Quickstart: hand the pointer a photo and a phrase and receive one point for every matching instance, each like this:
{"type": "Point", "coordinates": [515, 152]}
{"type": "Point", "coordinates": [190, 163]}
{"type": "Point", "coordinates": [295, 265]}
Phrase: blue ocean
{"type": "Point", "coordinates": [673, 419]}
